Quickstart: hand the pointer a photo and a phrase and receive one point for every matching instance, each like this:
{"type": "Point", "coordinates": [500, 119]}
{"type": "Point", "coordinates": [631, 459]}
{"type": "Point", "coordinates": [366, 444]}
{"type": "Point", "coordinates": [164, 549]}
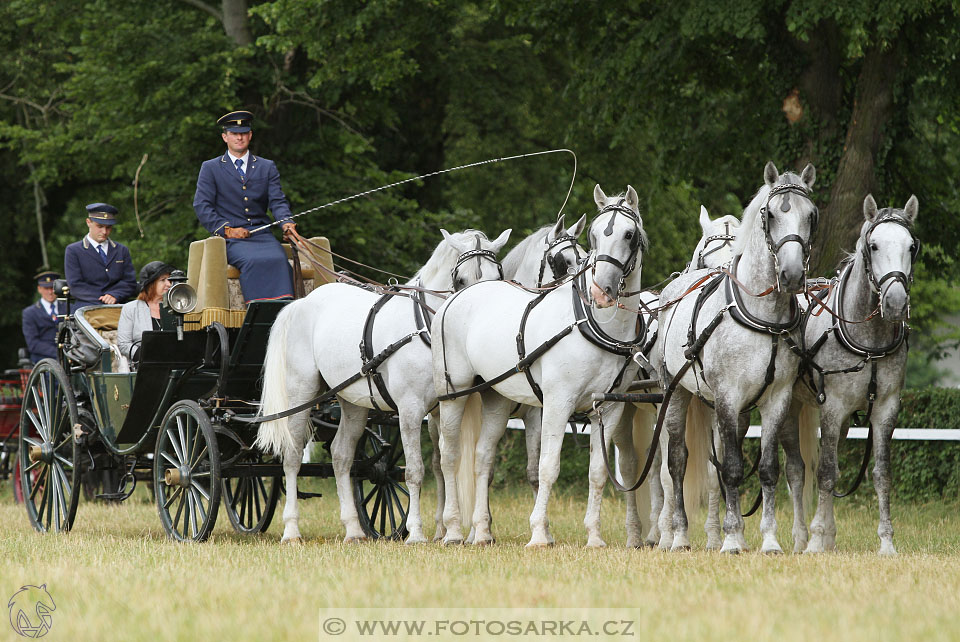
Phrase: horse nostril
{"type": "Point", "coordinates": [608, 290]}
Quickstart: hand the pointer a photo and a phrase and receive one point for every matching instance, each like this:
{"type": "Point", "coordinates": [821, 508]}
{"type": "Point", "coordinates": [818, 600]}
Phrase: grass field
{"type": "Point", "coordinates": [116, 577]}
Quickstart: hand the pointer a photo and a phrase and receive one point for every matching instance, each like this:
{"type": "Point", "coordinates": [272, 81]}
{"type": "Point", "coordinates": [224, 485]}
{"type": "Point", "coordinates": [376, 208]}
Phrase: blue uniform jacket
{"type": "Point", "coordinates": [40, 331]}
{"type": "Point", "coordinates": [223, 199]}
{"type": "Point", "coordinates": [89, 278]}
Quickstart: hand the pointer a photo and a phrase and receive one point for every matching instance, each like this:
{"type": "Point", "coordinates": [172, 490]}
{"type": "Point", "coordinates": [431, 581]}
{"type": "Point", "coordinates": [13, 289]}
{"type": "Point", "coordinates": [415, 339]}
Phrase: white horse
{"type": "Point", "coordinates": [857, 350]}
{"type": "Point", "coordinates": [313, 347]}
{"type": "Point", "coordinates": [714, 249]}
{"type": "Point", "coordinates": [476, 335]}
{"type": "Point", "coordinates": [544, 258]}
{"type": "Point", "coordinates": [731, 343]}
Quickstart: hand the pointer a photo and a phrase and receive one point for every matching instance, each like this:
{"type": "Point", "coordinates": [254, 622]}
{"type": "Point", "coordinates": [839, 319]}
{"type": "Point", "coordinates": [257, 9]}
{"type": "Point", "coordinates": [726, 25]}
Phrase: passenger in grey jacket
{"type": "Point", "coordinates": [143, 313]}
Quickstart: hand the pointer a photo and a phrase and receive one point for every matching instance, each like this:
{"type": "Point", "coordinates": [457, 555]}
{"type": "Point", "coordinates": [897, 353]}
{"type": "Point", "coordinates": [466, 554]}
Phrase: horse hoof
{"type": "Point", "coordinates": [485, 542]}
{"type": "Point", "coordinates": [413, 541]}
{"type": "Point", "coordinates": [681, 548]}
{"type": "Point", "coordinates": [532, 544]}
{"type": "Point", "coordinates": [452, 541]}
{"type": "Point", "coordinates": [596, 543]}
{"type": "Point", "coordinates": [354, 540]}
{"type": "Point", "coordinates": [773, 551]}
{"type": "Point", "coordinates": [648, 544]}
{"type": "Point", "coordinates": [291, 541]}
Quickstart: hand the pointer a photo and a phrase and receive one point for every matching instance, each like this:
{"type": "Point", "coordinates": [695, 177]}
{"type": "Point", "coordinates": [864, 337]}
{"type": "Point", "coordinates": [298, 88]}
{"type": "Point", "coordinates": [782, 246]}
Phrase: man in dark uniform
{"type": "Point", "coordinates": [99, 270]}
{"type": "Point", "coordinates": [40, 320]}
{"type": "Point", "coordinates": [234, 192]}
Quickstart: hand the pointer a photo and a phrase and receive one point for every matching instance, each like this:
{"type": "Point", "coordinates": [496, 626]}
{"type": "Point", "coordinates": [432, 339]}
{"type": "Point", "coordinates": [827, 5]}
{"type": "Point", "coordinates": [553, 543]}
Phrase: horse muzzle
{"type": "Point", "coordinates": [600, 297]}
{"type": "Point", "coordinates": [895, 303]}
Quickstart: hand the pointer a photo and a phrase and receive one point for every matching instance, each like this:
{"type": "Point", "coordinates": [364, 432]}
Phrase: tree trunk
{"type": "Point", "coordinates": [841, 218]}
{"type": "Point", "coordinates": [235, 22]}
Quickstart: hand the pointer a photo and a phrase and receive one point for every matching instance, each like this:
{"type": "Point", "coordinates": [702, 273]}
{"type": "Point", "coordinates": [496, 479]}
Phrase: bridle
{"type": "Point", "coordinates": [774, 247]}
{"type": "Point", "coordinates": [893, 275]}
{"type": "Point", "coordinates": [637, 243]}
{"type": "Point", "coordinates": [553, 256]}
{"type": "Point", "coordinates": [727, 241]}
{"type": "Point", "coordinates": [479, 254]}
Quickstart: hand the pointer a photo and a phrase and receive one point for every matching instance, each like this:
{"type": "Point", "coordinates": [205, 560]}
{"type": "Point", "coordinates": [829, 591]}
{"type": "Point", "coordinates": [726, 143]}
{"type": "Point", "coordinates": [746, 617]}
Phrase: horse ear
{"type": "Point", "coordinates": [448, 237]}
{"type": "Point", "coordinates": [632, 199]}
{"type": "Point", "coordinates": [577, 229]}
{"type": "Point", "coordinates": [770, 174]}
{"type": "Point", "coordinates": [869, 208]}
{"type": "Point", "coordinates": [809, 175]}
{"type": "Point", "coordinates": [910, 209]}
{"type": "Point", "coordinates": [705, 221]}
{"type": "Point", "coordinates": [599, 197]}
{"type": "Point", "coordinates": [501, 240]}
{"type": "Point", "coordinates": [556, 230]}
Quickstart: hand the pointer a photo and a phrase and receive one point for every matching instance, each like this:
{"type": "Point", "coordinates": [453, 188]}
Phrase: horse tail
{"type": "Point", "coordinates": [808, 424]}
{"type": "Point", "coordinates": [467, 470]}
{"type": "Point", "coordinates": [274, 436]}
{"type": "Point", "coordinates": [644, 419]}
{"type": "Point", "coordinates": [699, 434]}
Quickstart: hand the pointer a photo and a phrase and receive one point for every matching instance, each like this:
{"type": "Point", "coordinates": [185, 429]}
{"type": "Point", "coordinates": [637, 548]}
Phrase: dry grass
{"type": "Point", "coordinates": [117, 577]}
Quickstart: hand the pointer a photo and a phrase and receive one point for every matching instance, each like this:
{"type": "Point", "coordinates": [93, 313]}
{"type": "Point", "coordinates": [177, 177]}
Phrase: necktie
{"type": "Point", "coordinates": [53, 313]}
{"type": "Point", "coordinates": [239, 164]}
{"type": "Point", "coordinates": [103, 255]}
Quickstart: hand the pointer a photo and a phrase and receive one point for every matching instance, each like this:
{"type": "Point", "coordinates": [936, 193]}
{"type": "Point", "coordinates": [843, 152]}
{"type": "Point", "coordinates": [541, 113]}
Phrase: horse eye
{"type": "Point", "coordinates": [628, 235]}
{"type": "Point", "coordinates": [873, 247]}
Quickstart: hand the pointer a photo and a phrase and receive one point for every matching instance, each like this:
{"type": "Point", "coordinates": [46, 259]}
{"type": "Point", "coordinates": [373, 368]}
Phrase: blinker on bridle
{"type": "Point", "coordinates": [727, 239]}
{"type": "Point", "coordinates": [636, 243]}
{"type": "Point", "coordinates": [553, 256]}
{"type": "Point", "coordinates": [786, 189]}
{"type": "Point", "coordinates": [893, 275]}
{"type": "Point", "coordinates": [479, 254]}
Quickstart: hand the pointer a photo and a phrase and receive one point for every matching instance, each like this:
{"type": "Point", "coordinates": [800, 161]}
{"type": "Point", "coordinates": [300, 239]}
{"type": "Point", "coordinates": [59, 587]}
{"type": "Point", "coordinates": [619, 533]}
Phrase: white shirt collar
{"type": "Point", "coordinates": [47, 306]}
{"type": "Point", "coordinates": [96, 245]}
{"type": "Point", "coordinates": [245, 158]}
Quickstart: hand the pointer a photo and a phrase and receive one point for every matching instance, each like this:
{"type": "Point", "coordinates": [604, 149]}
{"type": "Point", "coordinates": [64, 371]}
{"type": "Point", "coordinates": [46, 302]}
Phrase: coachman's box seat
{"type": "Point", "coordinates": [217, 283]}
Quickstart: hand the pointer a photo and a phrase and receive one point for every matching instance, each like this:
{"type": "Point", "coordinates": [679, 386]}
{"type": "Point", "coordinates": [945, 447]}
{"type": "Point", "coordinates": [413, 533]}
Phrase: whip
{"type": "Point", "coordinates": [437, 173]}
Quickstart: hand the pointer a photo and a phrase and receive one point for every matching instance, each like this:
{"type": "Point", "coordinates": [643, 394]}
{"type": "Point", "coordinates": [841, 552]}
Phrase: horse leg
{"type": "Point", "coordinates": [451, 414]}
{"type": "Point", "coordinates": [343, 451]}
{"type": "Point", "coordinates": [555, 416]}
{"type": "Point", "coordinates": [769, 474]}
{"type": "Point", "coordinates": [411, 422]}
{"type": "Point", "coordinates": [531, 430]}
{"type": "Point", "coordinates": [823, 529]}
{"type": "Point", "coordinates": [665, 518]}
{"type": "Point", "coordinates": [728, 420]}
{"type": "Point", "coordinates": [597, 475]}
{"type": "Point", "coordinates": [292, 458]}
{"type": "Point", "coordinates": [882, 434]}
{"type": "Point", "coordinates": [711, 525]}
{"type": "Point", "coordinates": [624, 439]}
{"type": "Point", "coordinates": [496, 413]}
{"type": "Point", "coordinates": [676, 424]}
{"type": "Point", "coordinates": [433, 421]}
{"type": "Point", "coordinates": [656, 497]}
{"type": "Point", "coordinates": [790, 440]}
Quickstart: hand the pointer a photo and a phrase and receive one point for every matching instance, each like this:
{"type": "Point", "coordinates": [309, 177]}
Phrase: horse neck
{"type": "Point", "coordinates": [523, 263]}
{"type": "Point", "coordinates": [757, 271]}
{"type": "Point", "coordinates": [434, 277]}
{"type": "Point", "coordinates": [859, 302]}
{"type": "Point", "coordinates": [623, 325]}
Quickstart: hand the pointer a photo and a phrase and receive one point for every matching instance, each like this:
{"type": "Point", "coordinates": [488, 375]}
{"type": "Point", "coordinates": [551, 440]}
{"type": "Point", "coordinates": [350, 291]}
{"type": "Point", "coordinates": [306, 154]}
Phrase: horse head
{"type": "Point", "coordinates": [617, 243]}
{"type": "Point", "coordinates": [784, 214]}
{"type": "Point", "coordinates": [888, 249]}
{"type": "Point", "coordinates": [563, 253]}
{"type": "Point", "coordinates": [470, 246]}
{"type": "Point", "coordinates": [716, 244]}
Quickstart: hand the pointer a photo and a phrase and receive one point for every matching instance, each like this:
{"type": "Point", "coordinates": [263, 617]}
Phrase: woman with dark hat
{"type": "Point", "coordinates": [143, 313]}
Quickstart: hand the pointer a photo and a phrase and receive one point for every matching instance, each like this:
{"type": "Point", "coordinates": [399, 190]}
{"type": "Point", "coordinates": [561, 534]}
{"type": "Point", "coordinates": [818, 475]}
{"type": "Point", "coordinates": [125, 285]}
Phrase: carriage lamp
{"type": "Point", "coordinates": [181, 299]}
{"type": "Point", "coordinates": [62, 290]}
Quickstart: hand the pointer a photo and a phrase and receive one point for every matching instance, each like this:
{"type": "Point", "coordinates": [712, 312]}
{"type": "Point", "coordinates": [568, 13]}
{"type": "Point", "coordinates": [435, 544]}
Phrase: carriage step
{"type": "Point", "coordinates": [632, 397]}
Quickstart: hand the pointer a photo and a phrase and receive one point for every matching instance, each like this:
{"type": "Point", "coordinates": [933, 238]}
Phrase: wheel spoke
{"type": "Point", "coordinates": [172, 498]}
{"type": "Point", "coordinates": [173, 461]}
{"type": "Point", "coordinates": [176, 520]}
{"type": "Point", "coordinates": [383, 513]}
{"type": "Point", "coordinates": [202, 513]}
{"type": "Point", "coordinates": [33, 465]}
{"type": "Point", "coordinates": [251, 493]}
{"type": "Point", "coordinates": [63, 460]}
{"type": "Point", "coordinates": [366, 500]}
{"type": "Point", "coordinates": [183, 442]}
{"type": "Point", "coordinates": [200, 489]}
{"type": "Point", "coordinates": [172, 438]}
{"type": "Point", "coordinates": [32, 441]}
{"type": "Point", "coordinates": [39, 422]}
{"type": "Point", "coordinates": [199, 459]}
{"type": "Point", "coordinates": [43, 406]}
{"type": "Point", "coordinates": [66, 489]}
{"type": "Point", "coordinates": [397, 486]}
{"type": "Point", "coordinates": [66, 440]}
{"type": "Point", "coordinates": [376, 507]}
{"type": "Point", "coordinates": [193, 514]}
{"type": "Point", "coordinates": [52, 483]}
{"type": "Point", "coordinates": [38, 481]}
{"type": "Point", "coordinates": [257, 496]}
{"type": "Point", "coordinates": [241, 500]}
{"type": "Point", "coordinates": [43, 499]}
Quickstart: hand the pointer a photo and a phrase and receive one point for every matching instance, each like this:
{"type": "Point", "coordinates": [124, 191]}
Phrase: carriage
{"type": "Point", "coordinates": [184, 421]}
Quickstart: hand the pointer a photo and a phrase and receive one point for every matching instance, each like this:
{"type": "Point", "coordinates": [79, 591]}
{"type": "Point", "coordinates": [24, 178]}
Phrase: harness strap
{"type": "Point", "coordinates": [521, 347]}
{"type": "Point", "coordinates": [871, 397]}
{"type": "Point", "coordinates": [374, 377]}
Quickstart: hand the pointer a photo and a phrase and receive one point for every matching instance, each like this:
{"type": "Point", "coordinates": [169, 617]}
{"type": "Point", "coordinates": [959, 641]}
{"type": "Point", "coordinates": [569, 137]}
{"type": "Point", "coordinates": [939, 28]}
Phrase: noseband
{"type": "Point", "coordinates": [727, 239]}
{"type": "Point", "coordinates": [787, 189]}
{"type": "Point", "coordinates": [893, 275]}
{"type": "Point", "coordinates": [637, 244]}
{"type": "Point", "coordinates": [479, 254]}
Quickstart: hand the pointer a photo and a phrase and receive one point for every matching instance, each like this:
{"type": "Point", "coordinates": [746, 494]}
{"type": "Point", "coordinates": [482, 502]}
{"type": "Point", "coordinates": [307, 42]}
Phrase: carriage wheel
{"type": "Point", "coordinates": [381, 497]}
{"type": "Point", "coordinates": [186, 473]}
{"type": "Point", "coordinates": [47, 454]}
{"type": "Point", "coordinates": [250, 502]}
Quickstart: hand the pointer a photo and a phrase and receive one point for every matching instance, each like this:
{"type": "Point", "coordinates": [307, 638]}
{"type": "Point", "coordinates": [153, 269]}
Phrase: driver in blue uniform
{"type": "Point", "coordinates": [40, 320]}
{"type": "Point", "coordinates": [98, 269]}
{"type": "Point", "coordinates": [234, 192]}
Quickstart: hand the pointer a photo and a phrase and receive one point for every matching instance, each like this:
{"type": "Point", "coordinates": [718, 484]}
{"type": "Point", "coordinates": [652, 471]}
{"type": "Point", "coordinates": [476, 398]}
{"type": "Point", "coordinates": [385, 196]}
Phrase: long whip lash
{"type": "Point", "coordinates": [437, 173]}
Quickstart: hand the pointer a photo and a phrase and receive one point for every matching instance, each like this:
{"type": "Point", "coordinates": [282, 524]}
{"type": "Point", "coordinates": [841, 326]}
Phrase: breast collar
{"type": "Point", "coordinates": [591, 330]}
{"type": "Point", "coordinates": [741, 315]}
{"type": "Point", "coordinates": [843, 334]}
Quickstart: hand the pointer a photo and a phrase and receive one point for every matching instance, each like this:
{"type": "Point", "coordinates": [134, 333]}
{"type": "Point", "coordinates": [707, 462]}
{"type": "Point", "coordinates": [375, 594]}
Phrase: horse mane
{"type": "Point", "coordinates": [444, 257]}
{"type": "Point", "coordinates": [512, 261]}
{"type": "Point", "coordinates": [751, 214]}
